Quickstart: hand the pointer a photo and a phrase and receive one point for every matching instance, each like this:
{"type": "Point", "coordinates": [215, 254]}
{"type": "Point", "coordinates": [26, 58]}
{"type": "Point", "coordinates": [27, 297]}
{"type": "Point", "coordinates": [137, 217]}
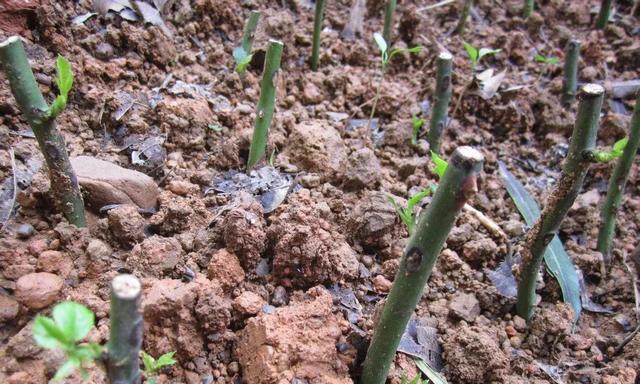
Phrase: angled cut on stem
{"type": "Point", "coordinates": [441, 101]}
{"type": "Point", "coordinates": [561, 198]}
{"type": "Point", "coordinates": [41, 118]}
{"type": "Point", "coordinates": [617, 183]}
{"type": "Point", "coordinates": [457, 185]}
{"type": "Point", "coordinates": [604, 14]}
{"type": "Point", "coordinates": [388, 20]}
{"type": "Point", "coordinates": [266, 103]}
{"type": "Point", "coordinates": [570, 81]}
{"type": "Point", "coordinates": [317, 29]}
{"type": "Point", "coordinates": [125, 337]}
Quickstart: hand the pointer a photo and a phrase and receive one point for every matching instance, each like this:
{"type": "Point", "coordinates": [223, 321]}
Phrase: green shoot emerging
{"type": "Point", "coordinates": [242, 54]}
{"type": "Point", "coordinates": [71, 323]}
{"type": "Point", "coordinates": [152, 366]}
{"type": "Point", "coordinates": [416, 125]}
{"type": "Point", "coordinates": [406, 213]}
{"type": "Point", "coordinates": [385, 56]}
{"type": "Point", "coordinates": [475, 55]}
{"type": "Point", "coordinates": [551, 60]}
{"type": "Point", "coordinates": [64, 81]}
{"type": "Point", "coordinates": [415, 380]}
{"type": "Point", "coordinates": [242, 59]}
{"type": "Point", "coordinates": [617, 151]}
{"type": "Point", "coordinates": [441, 164]}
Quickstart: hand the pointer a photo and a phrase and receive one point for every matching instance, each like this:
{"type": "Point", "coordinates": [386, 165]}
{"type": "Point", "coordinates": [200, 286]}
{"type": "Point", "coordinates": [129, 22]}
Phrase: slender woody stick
{"type": "Point", "coordinates": [616, 187]}
{"type": "Point", "coordinates": [249, 31]}
{"type": "Point", "coordinates": [457, 185]}
{"type": "Point", "coordinates": [570, 83]}
{"type": "Point", "coordinates": [464, 15]}
{"type": "Point", "coordinates": [528, 8]}
{"type": "Point", "coordinates": [604, 14]}
{"type": "Point", "coordinates": [64, 184]}
{"type": "Point", "coordinates": [125, 339]}
{"type": "Point", "coordinates": [575, 169]}
{"type": "Point", "coordinates": [317, 29]}
{"type": "Point", "coordinates": [441, 102]}
{"type": "Point", "coordinates": [267, 102]}
{"type": "Point", "coordinates": [388, 21]}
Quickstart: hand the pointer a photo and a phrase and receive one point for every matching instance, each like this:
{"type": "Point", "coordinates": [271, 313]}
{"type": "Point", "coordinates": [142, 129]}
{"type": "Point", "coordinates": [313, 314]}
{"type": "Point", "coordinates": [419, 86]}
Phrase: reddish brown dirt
{"type": "Point", "coordinates": [202, 257]}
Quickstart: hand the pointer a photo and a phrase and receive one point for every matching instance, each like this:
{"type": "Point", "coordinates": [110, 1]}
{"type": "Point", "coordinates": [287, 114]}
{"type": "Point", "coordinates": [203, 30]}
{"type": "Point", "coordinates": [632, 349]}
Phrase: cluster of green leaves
{"type": "Point", "coordinates": [551, 60]}
{"type": "Point", "coordinates": [71, 323]}
{"type": "Point", "coordinates": [386, 55]}
{"type": "Point", "coordinates": [475, 55]}
{"type": "Point", "coordinates": [615, 152]}
{"type": "Point", "coordinates": [64, 81]}
{"type": "Point", "coordinates": [416, 126]}
{"type": "Point", "coordinates": [440, 163]}
{"type": "Point", "coordinates": [406, 213]}
{"type": "Point", "coordinates": [242, 59]}
{"type": "Point", "coordinates": [153, 366]}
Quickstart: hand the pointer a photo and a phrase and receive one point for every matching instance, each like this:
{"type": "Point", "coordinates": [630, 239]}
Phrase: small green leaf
{"type": "Point", "coordinates": [621, 144]}
{"type": "Point", "coordinates": [166, 359]}
{"type": "Point", "coordinates": [382, 44]}
{"type": "Point", "coordinates": [47, 334]}
{"type": "Point", "coordinates": [616, 151]}
{"type": "Point", "coordinates": [472, 52]}
{"type": "Point", "coordinates": [64, 81]}
{"type": "Point", "coordinates": [396, 51]}
{"type": "Point", "coordinates": [57, 106]}
{"type": "Point", "coordinates": [66, 369]}
{"type": "Point", "coordinates": [553, 60]}
{"type": "Point", "coordinates": [239, 54]}
{"type": "Point", "coordinates": [539, 58]}
{"type": "Point", "coordinates": [487, 51]}
{"type": "Point", "coordinates": [215, 127]}
{"type": "Point", "coordinates": [415, 199]}
{"type": "Point", "coordinates": [148, 361]}
{"type": "Point", "coordinates": [441, 165]}
{"type": "Point", "coordinates": [242, 58]}
{"type": "Point", "coordinates": [416, 125]}
{"type": "Point", "coordinates": [73, 319]}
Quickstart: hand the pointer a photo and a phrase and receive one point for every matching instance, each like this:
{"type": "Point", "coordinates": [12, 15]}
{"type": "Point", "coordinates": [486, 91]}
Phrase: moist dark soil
{"type": "Point", "coordinates": [292, 295]}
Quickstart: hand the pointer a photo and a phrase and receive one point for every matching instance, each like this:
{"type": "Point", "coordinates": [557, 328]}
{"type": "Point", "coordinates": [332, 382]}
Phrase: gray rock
{"type": "Point", "coordinates": [465, 306]}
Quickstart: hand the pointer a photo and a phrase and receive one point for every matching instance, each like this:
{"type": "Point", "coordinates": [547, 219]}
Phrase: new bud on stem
{"type": "Point", "coordinates": [616, 187]}
{"type": "Point", "coordinates": [566, 190]}
{"type": "Point", "coordinates": [457, 185]}
{"type": "Point", "coordinates": [125, 339]}
{"type": "Point", "coordinates": [266, 103]}
{"type": "Point", "coordinates": [64, 184]}
{"type": "Point", "coordinates": [441, 103]}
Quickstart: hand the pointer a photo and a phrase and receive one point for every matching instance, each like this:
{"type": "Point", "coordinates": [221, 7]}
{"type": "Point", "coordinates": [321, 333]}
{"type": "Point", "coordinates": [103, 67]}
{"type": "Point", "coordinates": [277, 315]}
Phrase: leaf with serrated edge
{"type": "Point", "coordinates": [73, 319]}
{"type": "Point", "coordinates": [165, 360]}
{"type": "Point", "coordinates": [441, 165]}
{"type": "Point", "coordinates": [555, 257]}
{"type": "Point", "coordinates": [47, 334]}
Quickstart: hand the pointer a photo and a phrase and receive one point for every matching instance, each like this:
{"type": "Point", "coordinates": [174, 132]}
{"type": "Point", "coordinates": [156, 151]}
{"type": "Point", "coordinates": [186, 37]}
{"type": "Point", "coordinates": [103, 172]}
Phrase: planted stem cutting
{"type": "Point", "coordinates": [528, 8]}
{"type": "Point", "coordinates": [266, 103]}
{"type": "Point", "coordinates": [388, 20]}
{"type": "Point", "coordinates": [458, 184]}
{"type": "Point", "coordinates": [604, 14]}
{"type": "Point", "coordinates": [617, 184]}
{"type": "Point", "coordinates": [464, 15]}
{"type": "Point", "coordinates": [242, 54]}
{"type": "Point", "coordinates": [570, 83]}
{"type": "Point", "coordinates": [41, 118]}
{"type": "Point", "coordinates": [317, 30]}
{"type": "Point", "coordinates": [562, 197]}
{"type": "Point", "coordinates": [441, 101]}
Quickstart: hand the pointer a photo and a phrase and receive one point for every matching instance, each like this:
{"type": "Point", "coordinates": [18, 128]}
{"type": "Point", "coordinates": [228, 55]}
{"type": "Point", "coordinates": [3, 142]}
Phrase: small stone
{"type": "Point", "coordinates": [38, 290]}
{"type": "Point", "coordinates": [510, 331]}
{"type": "Point", "coordinates": [233, 367]}
{"type": "Point", "coordinates": [182, 188]}
{"type": "Point", "coordinates": [9, 309]}
{"type": "Point", "coordinates": [98, 249]}
{"type": "Point", "coordinates": [25, 231]}
{"type": "Point", "coordinates": [367, 261]}
{"type": "Point", "coordinates": [248, 303]}
{"type": "Point", "coordinates": [280, 296]}
{"type": "Point", "coordinates": [381, 284]}
{"type": "Point", "coordinates": [104, 51]}
{"type": "Point", "coordinates": [519, 323]}
{"type": "Point", "coordinates": [127, 225]}
{"type": "Point", "coordinates": [224, 267]}
{"type": "Point", "coordinates": [55, 262]}
{"type": "Point", "coordinates": [465, 306]}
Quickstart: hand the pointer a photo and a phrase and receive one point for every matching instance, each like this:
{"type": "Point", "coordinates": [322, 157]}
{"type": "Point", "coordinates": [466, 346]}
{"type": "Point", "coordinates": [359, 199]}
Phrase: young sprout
{"type": "Point", "coordinates": [125, 337]}
{"type": "Point", "coordinates": [604, 14]}
{"type": "Point", "coordinates": [70, 324]}
{"type": "Point", "coordinates": [416, 126]}
{"type": "Point", "coordinates": [385, 56]}
{"type": "Point", "coordinates": [570, 82]}
{"type": "Point", "coordinates": [528, 8]}
{"type": "Point", "coordinates": [266, 103]}
{"type": "Point", "coordinates": [242, 54]}
{"type": "Point", "coordinates": [616, 151]}
{"type": "Point", "coordinates": [406, 213]}
{"type": "Point", "coordinates": [561, 198]}
{"type": "Point", "coordinates": [617, 184]}
{"type": "Point", "coordinates": [317, 29]}
{"type": "Point", "coordinates": [475, 55]}
{"type": "Point", "coordinates": [388, 20]}
{"type": "Point", "coordinates": [551, 60]}
{"type": "Point", "coordinates": [415, 380]}
{"type": "Point", "coordinates": [441, 100]}
{"type": "Point", "coordinates": [153, 366]}
{"type": "Point", "coordinates": [41, 118]}
{"type": "Point", "coordinates": [464, 15]}
{"type": "Point", "coordinates": [458, 184]}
